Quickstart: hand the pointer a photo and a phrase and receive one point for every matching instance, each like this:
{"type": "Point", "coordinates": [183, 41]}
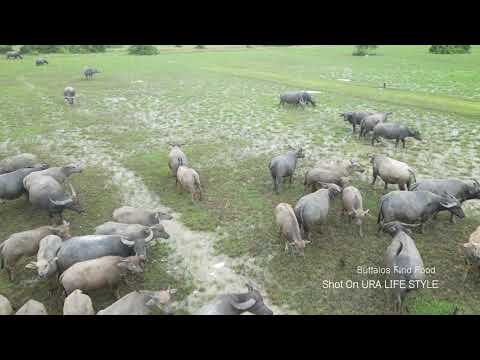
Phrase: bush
{"type": "Point", "coordinates": [362, 50]}
{"type": "Point", "coordinates": [200, 47]}
{"type": "Point", "coordinates": [5, 48]}
{"type": "Point", "coordinates": [449, 49]}
{"type": "Point", "coordinates": [84, 49]}
{"type": "Point", "coordinates": [142, 50]}
{"type": "Point", "coordinates": [41, 49]}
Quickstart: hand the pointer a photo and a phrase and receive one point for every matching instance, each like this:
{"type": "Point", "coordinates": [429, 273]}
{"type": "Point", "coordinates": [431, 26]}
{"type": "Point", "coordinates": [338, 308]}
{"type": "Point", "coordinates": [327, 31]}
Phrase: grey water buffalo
{"type": "Point", "coordinates": [17, 162]}
{"type": "Point", "coordinates": [32, 307]}
{"type": "Point", "coordinates": [395, 131]}
{"type": "Point", "coordinates": [98, 273]}
{"type": "Point", "coordinates": [78, 303]}
{"type": "Point", "coordinates": [27, 243]}
{"type": "Point", "coordinates": [471, 250]}
{"type": "Point", "coordinates": [353, 206]}
{"type": "Point", "coordinates": [296, 98]}
{"type": "Point", "coordinates": [58, 173]}
{"type": "Point", "coordinates": [392, 171]}
{"type": "Point", "coordinates": [404, 262]}
{"type": "Point", "coordinates": [288, 227]}
{"type": "Point", "coordinates": [132, 215]}
{"type": "Point", "coordinates": [132, 231]}
{"type": "Point", "coordinates": [89, 72]}
{"type": "Point", "coordinates": [312, 209]}
{"type": "Point", "coordinates": [284, 166]}
{"type": "Point", "coordinates": [236, 304]}
{"type": "Point", "coordinates": [41, 61]}
{"type": "Point", "coordinates": [141, 302]}
{"type": "Point", "coordinates": [48, 194]}
{"type": "Point", "coordinates": [369, 122]}
{"type": "Point", "coordinates": [189, 180]}
{"type": "Point", "coordinates": [331, 172]}
{"type": "Point", "coordinates": [46, 264]}
{"type": "Point", "coordinates": [416, 207]}
{"type": "Point", "coordinates": [462, 190]}
{"type": "Point", "coordinates": [69, 94]}
{"type": "Point", "coordinates": [355, 117]}
{"type": "Point", "coordinates": [175, 157]}
{"type": "Point", "coordinates": [5, 306]}
{"type": "Point", "coordinates": [11, 184]}
{"type": "Point", "coordinates": [88, 247]}
{"type": "Point", "coordinates": [14, 55]}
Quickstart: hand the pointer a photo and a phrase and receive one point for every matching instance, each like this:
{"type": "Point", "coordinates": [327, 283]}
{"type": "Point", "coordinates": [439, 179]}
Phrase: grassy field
{"type": "Point", "coordinates": [222, 102]}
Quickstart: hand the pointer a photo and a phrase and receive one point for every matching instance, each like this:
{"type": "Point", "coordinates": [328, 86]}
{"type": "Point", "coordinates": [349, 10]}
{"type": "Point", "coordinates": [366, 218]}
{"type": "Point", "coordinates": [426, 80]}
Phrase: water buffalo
{"type": "Point", "coordinates": [394, 131]}
{"type": "Point", "coordinates": [18, 162]}
{"type": "Point", "coordinates": [392, 171]}
{"type": "Point", "coordinates": [471, 250]}
{"type": "Point", "coordinates": [312, 209]}
{"type": "Point", "coordinates": [415, 207]}
{"type": "Point", "coordinates": [48, 194]}
{"type": "Point", "coordinates": [14, 55]}
{"type": "Point", "coordinates": [69, 94]}
{"type": "Point", "coordinates": [140, 303]}
{"type": "Point", "coordinates": [40, 61]}
{"type": "Point", "coordinates": [175, 157]}
{"type": "Point", "coordinates": [5, 306]}
{"type": "Point", "coordinates": [89, 72]}
{"type": "Point", "coordinates": [331, 172]}
{"type": "Point", "coordinates": [78, 303]}
{"type": "Point", "coordinates": [46, 264]}
{"type": "Point", "coordinates": [88, 247]}
{"type": "Point", "coordinates": [189, 180]}
{"type": "Point", "coordinates": [27, 243]}
{"type": "Point", "coordinates": [60, 174]}
{"type": "Point", "coordinates": [283, 166]}
{"type": "Point", "coordinates": [403, 261]}
{"type": "Point", "coordinates": [296, 98]}
{"type": "Point", "coordinates": [353, 206]}
{"type": "Point", "coordinates": [236, 304]}
{"type": "Point", "coordinates": [106, 271]}
{"type": "Point", "coordinates": [462, 190]}
{"type": "Point", "coordinates": [132, 215]}
{"type": "Point", "coordinates": [369, 122]}
{"type": "Point", "coordinates": [32, 307]}
{"type": "Point", "coordinates": [132, 231]}
{"type": "Point", "coordinates": [289, 228]}
{"type": "Point", "coordinates": [11, 184]}
{"type": "Point", "coordinates": [355, 117]}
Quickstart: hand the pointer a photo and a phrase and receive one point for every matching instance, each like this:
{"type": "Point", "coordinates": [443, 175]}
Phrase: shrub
{"type": "Point", "coordinates": [5, 48]}
{"type": "Point", "coordinates": [84, 49]}
{"type": "Point", "coordinates": [449, 49]}
{"type": "Point", "coordinates": [142, 50]}
{"type": "Point", "coordinates": [41, 49]}
{"type": "Point", "coordinates": [200, 47]}
{"type": "Point", "coordinates": [362, 50]}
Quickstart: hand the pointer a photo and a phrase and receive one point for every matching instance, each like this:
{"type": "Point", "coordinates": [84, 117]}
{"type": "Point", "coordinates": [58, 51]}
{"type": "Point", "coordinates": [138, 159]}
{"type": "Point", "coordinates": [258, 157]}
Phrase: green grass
{"type": "Point", "coordinates": [223, 103]}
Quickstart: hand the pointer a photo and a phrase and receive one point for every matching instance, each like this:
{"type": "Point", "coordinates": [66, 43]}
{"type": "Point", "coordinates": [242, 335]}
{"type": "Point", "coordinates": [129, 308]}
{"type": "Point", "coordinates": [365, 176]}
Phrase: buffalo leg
{"type": "Point", "coordinates": [467, 270]}
{"type": "Point", "coordinates": [374, 178]}
{"type": "Point", "coordinates": [386, 186]}
{"type": "Point", "coordinates": [396, 143]}
{"type": "Point", "coordinates": [403, 143]}
{"type": "Point", "coordinates": [278, 182]}
{"type": "Point", "coordinates": [291, 180]}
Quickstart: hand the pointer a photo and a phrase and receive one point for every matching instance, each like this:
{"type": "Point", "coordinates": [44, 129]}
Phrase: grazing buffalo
{"type": "Point", "coordinates": [18, 162]}
{"type": "Point", "coordinates": [14, 55]}
{"type": "Point", "coordinates": [11, 184]}
{"type": "Point", "coordinates": [283, 166]}
{"type": "Point", "coordinates": [415, 207]}
{"type": "Point", "coordinates": [132, 215]}
{"type": "Point", "coordinates": [355, 117]}
{"type": "Point", "coordinates": [236, 304]}
{"type": "Point", "coordinates": [403, 261]}
{"type": "Point", "coordinates": [395, 131]}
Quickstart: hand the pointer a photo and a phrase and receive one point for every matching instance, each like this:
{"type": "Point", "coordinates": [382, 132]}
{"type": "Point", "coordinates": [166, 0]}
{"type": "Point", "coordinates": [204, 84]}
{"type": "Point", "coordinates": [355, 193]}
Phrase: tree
{"type": "Point", "coordinates": [200, 47]}
{"type": "Point", "coordinates": [449, 49]}
{"type": "Point", "coordinates": [42, 49]}
{"type": "Point", "coordinates": [5, 48]}
{"type": "Point", "coordinates": [362, 50]}
{"type": "Point", "coordinates": [82, 49]}
{"type": "Point", "coordinates": [142, 50]}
